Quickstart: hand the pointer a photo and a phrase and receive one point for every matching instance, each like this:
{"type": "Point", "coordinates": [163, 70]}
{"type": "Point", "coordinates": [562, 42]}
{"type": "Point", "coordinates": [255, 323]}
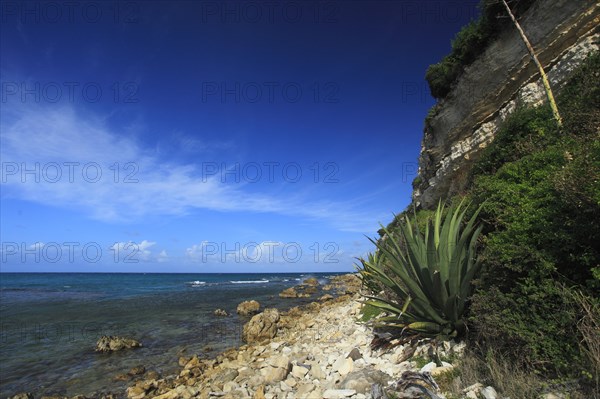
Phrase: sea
{"type": "Point", "coordinates": [50, 322]}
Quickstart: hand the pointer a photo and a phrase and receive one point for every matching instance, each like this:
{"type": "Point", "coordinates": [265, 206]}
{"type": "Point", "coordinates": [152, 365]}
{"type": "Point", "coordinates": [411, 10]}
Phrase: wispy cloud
{"type": "Point", "coordinates": [36, 246]}
{"type": "Point", "coordinates": [162, 256]}
{"type": "Point", "coordinates": [56, 157]}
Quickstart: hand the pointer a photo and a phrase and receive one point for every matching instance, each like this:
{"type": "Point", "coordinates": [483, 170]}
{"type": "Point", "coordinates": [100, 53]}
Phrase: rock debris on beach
{"type": "Point", "coordinates": [317, 351]}
{"type": "Point", "coordinates": [112, 344]}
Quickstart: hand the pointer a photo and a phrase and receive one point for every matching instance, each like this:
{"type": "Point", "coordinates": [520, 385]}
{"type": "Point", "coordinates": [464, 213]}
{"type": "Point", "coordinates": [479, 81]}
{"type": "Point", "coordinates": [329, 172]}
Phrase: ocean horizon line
{"type": "Point", "coordinates": [212, 273]}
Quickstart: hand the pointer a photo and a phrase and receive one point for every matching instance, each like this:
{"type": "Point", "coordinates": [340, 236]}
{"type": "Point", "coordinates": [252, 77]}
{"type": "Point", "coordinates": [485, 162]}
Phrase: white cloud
{"type": "Point", "coordinates": [36, 246]}
{"type": "Point", "coordinates": [162, 256]}
{"type": "Point", "coordinates": [79, 163]}
{"type": "Point", "coordinates": [195, 251]}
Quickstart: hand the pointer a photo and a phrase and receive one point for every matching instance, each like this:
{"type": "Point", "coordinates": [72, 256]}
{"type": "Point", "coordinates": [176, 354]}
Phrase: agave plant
{"type": "Point", "coordinates": [429, 273]}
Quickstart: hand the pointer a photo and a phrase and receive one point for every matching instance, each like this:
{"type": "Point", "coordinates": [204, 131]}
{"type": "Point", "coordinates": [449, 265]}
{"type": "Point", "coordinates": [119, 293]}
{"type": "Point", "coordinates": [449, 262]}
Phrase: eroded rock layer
{"type": "Point", "coordinates": [503, 78]}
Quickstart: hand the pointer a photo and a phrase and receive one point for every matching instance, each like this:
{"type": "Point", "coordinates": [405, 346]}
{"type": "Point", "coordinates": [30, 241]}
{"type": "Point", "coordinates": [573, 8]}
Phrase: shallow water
{"type": "Point", "coordinates": [51, 322]}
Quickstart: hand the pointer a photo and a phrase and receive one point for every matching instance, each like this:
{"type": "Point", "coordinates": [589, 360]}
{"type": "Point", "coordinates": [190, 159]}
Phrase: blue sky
{"type": "Point", "coordinates": [210, 136]}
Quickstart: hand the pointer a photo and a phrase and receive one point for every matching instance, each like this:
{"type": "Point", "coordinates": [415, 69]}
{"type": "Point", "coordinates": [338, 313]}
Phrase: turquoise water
{"type": "Point", "coordinates": [50, 322]}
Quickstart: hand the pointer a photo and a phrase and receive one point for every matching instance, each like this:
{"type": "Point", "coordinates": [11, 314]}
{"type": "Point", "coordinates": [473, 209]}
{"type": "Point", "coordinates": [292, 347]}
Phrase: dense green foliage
{"type": "Point", "coordinates": [541, 189]}
{"type": "Point", "coordinates": [428, 271]}
{"type": "Point", "coordinates": [469, 43]}
{"type": "Point", "coordinates": [539, 192]}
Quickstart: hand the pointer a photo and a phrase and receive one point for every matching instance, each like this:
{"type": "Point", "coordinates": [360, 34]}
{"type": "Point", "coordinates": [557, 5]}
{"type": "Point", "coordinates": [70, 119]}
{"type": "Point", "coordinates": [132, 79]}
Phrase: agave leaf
{"type": "Point", "coordinates": [397, 324]}
{"type": "Point", "coordinates": [425, 326]}
{"type": "Point", "coordinates": [474, 264]}
{"type": "Point", "coordinates": [399, 267]}
{"type": "Point", "coordinates": [416, 258]}
{"type": "Point", "coordinates": [427, 272]}
{"type": "Point", "coordinates": [378, 303]}
{"type": "Point", "coordinates": [452, 308]}
{"type": "Point", "coordinates": [391, 307]}
{"type": "Point", "coordinates": [369, 312]}
{"type": "Point", "coordinates": [440, 295]}
{"type": "Point", "coordinates": [437, 223]}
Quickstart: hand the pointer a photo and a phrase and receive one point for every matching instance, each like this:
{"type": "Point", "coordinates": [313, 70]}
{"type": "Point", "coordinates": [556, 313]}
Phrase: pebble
{"type": "Point", "coordinates": [489, 393]}
{"type": "Point", "coordinates": [317, 372]}
{"type": "Point", "coordinates": [338, 393]}
{"type": "Point", "coordinates": [428, 367]}
{"type": "Point", "coordinates": [299, 372]}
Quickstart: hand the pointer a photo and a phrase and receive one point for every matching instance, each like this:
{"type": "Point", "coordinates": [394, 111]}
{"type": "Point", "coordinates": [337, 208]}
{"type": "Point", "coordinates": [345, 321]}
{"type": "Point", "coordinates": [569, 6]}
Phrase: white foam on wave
{"type": "Point", "coordinates": [196, 283]}
{"type": "Point", "coordinates": [249, 282]}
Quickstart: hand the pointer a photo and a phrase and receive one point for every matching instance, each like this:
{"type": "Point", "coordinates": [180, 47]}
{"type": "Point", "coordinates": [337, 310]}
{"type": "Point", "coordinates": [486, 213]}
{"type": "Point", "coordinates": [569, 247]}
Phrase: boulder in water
{"type": "Point", "coordinates": [24, 395]}
{"type": "Point", "coordinates": [109, 343]}
{"type": "Point", "coordinates": [311, 281]}
{"type": "Point", "coordinates": [248, 308]}
{"type": "Point", "coordinates": [289, 293]}
{"type": "Point", "coordinates": [221, 312]}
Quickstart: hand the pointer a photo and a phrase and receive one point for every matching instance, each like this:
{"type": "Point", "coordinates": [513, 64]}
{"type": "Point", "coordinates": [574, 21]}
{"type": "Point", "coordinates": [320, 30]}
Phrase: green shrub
{"type": "Point", "coordinates": [524, 132]}
{"type": "Point", "coordinates": [416, 182]}
{"type": "Point", "coordinates": [540, 190]}
{"type": "Point", "coordinates": [469, 43]}
{"type": "Point", "coordinates": [442, 75]}
{"type": "Point", "coordinates": [428, 273]}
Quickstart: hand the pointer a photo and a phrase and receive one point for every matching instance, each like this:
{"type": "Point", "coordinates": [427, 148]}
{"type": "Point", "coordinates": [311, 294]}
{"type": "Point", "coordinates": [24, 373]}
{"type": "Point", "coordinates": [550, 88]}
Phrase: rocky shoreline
{"type": "Point", "coordinates": [319, 350]}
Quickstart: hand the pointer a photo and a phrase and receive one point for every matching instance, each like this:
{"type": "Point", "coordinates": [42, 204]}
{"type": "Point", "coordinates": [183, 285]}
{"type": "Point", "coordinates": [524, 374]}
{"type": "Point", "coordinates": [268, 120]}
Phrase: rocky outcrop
{"type": "Point", "coordinates": [301, 291]}
{"type": "Point", "coordinates": [502, 79]}
{"type": "Point", "coordinates": [135, 371]}
{"type": "Point", "coordinates": [24, 395]}
{"type": "Point", "coordinates": [311, 281]}
{"type": "Point", "coordinates": [112, 344]}
{"type": "Point", "coordinates": [261, 327]}
{"type": "Point", "coordinates": [248, 308]}
{"type": "Point", "coordinates": [289, 293]}
{"type": "Point", "coordinates": [346, 283]}
{"type": "Point", "coordinates": [221, 313]}
{"type": "Point", "coordinates": [326, 297]}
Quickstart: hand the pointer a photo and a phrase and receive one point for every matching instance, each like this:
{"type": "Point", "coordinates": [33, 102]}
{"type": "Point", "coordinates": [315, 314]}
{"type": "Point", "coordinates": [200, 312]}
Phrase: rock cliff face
{"type": "Point", "coordinates": [503, 78]}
